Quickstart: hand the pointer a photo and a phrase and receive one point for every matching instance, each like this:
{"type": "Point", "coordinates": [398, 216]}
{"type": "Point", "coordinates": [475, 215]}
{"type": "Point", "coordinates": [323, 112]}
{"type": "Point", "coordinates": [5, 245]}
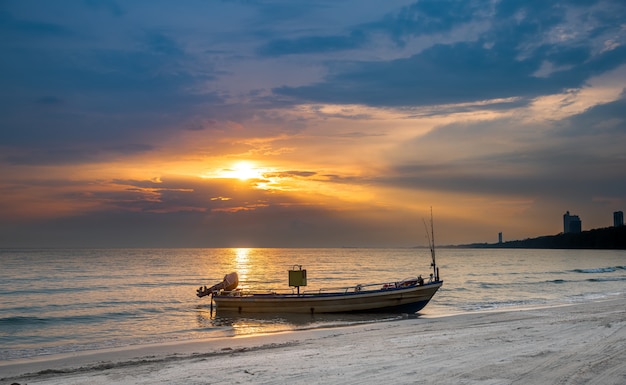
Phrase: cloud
{"type": "Point", "coordinates": [189, 212]}
{"type": "Point", "coordinates": [430, 17]}
{"type": "Point", "coordinates": [19, 28]}
{"type": "Point", "coordinates": [502, 63]}
{"type": "Point", "coordinates": [49, 100]}
{"type": "Point", "coordinates": [73, 155]}
{"type": "Point", "coordinates": [109, 93]}
{"type": "Point", "coordinates": [312, 44]}
{"type": "Point", "coordinates": [162, 44]}
{"type": "Point", "coordinates": [440, 75]}
{"type": "Point", "coordinates": [461, 73]}
{"type": "Point", "coordinates": [578, 156]}
{"type": "Point", "coordinates": [110, 6]}
{"type": "Point", "coordinates": [602, 119]}
{"type": "Point", "coordinates": [358, 114]}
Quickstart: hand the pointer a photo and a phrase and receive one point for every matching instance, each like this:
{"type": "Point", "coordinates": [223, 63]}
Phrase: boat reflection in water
{"type": "Point", "coordinates": [235, 324]}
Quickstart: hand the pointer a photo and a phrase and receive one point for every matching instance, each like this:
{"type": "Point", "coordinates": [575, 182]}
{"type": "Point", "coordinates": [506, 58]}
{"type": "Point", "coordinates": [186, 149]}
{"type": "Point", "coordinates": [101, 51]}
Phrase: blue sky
{"type": "Point", "coordinates": [133, 123]}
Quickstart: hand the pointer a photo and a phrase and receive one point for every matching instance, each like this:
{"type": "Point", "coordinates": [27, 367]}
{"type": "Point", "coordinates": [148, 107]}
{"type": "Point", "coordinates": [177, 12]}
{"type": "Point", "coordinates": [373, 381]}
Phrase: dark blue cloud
{"type": "Point", "coordinates": [439, 75]}
{"type": "Point", "coordinates": [110, 6]}
{"type": "Point", "coordinates": [602, 119]}
{"type": "Point", "coordinates": [427, 17]}
{"type": "Point", "coordinates": [313, 44]}
{"type": "Point", "coordinates": [162, 44]}
{"type": "Point", "coordinates": [420, 18]}
{"type": "Point", "coordinates": [502, 62]}
{"type": "Point", "coordinates": [567, 56]}
{"type": "Point", "coordinates": [49, 100]}
{"type": "Point", "coordinates": [11, 28]}
{"type": "Point", "coordinates": [51, 97]}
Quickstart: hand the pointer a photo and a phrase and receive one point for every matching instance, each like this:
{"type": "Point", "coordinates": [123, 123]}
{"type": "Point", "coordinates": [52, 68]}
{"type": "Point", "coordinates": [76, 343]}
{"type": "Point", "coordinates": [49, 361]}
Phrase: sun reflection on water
{"type": "Point", "coordinates": [242, 264]}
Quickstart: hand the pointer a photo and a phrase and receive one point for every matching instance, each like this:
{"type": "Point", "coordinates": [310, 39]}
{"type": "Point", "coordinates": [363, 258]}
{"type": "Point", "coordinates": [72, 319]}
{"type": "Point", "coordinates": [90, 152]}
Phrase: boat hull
{"type": "Point", "coordinates": [407, 300]}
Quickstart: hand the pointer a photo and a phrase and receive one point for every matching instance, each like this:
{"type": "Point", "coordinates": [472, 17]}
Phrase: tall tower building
{"type": "Point", "coordinates": [618, 219]}
{"type": "Point", "coordinates": [571, 223]}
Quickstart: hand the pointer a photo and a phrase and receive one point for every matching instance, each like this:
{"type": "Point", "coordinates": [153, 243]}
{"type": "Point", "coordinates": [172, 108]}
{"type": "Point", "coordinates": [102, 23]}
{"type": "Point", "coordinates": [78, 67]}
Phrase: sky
{"type": "Point", "coordinates": [282, 123]}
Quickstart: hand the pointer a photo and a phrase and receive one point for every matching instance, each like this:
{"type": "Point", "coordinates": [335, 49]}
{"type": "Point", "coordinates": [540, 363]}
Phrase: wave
{"type": "Point", "coordinates": [498, 285]}
{"type": "Point", "coordinates": [45, 290]}
{"type": "Point", "coordinates": [604, 279]}
{"type": "Point", "coordinates": [22, 321]}
{"type": "Point", "coordinates": [528, 283]}
{"type": "Point", "coordinates": [607, 279]}
{"type": "Point", "coordinates": [493, 305]}
{"type": "Point", "coordinates": [610, 269]}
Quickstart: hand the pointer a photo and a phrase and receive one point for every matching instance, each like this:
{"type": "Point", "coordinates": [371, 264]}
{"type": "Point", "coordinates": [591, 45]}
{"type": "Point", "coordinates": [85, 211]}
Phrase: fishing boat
{"type": "Point", "coordinates": [405, 296]}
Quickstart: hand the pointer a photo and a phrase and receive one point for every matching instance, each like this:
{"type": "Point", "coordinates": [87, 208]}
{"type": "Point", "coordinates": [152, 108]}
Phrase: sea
{"type": "Point", "coordinates": [55, 301]}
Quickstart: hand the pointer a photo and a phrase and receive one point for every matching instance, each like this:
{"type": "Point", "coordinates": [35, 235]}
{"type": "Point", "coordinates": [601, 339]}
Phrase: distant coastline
{"type": "Point", "coordinates": [606, 238]}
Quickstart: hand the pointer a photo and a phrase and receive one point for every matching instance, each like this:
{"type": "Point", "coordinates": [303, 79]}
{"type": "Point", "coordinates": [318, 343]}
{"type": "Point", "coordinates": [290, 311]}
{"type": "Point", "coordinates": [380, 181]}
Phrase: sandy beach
{"type": "Point", "coordinates": [575, 344]}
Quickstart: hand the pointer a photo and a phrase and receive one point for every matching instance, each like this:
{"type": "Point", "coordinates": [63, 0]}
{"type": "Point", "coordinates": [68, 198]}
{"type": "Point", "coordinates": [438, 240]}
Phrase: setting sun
{"type": "Point", "coordinates": [245, 171]}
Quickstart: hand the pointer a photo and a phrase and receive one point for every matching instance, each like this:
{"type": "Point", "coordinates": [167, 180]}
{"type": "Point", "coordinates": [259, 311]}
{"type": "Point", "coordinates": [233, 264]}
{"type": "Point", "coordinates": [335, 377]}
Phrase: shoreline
{"type": "Point", "coordinates": [582, 342]}
{"type": "Point", "coordinates": [158, 350]}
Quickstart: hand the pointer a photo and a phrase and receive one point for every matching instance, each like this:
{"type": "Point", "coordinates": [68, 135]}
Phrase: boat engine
{"type": "Point", "coordinates": [229, 283]}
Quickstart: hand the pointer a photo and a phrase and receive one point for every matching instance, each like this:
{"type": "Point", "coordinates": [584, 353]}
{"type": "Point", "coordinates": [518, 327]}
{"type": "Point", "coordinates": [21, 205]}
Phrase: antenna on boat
{"type": "Point", "coordinates": [430, 235]}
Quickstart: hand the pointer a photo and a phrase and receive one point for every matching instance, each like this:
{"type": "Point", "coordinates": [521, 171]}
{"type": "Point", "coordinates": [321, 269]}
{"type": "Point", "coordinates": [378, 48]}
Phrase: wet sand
{"type": "Point", "coordinates": [583, 343]}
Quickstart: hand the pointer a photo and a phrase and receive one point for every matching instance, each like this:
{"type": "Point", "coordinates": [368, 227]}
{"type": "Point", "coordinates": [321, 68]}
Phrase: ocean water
{"type": "Point", "coordinates": [59, 301]}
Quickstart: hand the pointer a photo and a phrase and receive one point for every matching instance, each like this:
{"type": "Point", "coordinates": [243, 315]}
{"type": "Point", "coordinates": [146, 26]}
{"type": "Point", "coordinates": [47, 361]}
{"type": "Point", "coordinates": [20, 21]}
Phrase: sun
{"type": "Point", "coordinates": [249, 172]}
{"type": "Point", "coordinates": [245, 170]}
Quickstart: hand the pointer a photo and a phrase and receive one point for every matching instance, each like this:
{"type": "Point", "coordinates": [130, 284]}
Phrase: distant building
{"type": "Point", "coordinates": [618, 219]}
{"type": "Point", "coordinates": [571, 223]}
{"type": "Point", "coordinates": [500, 237]}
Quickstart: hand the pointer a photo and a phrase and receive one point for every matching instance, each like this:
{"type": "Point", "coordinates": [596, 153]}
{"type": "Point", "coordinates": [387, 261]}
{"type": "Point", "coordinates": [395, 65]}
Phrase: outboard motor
{"type": "Point", "coordinates": [229, 283]}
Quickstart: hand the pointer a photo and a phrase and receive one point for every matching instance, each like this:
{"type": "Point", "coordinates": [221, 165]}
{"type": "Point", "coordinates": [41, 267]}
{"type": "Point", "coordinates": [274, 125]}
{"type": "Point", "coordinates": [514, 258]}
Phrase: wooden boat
{"type": "Point", "coordinates": [406, 296]}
